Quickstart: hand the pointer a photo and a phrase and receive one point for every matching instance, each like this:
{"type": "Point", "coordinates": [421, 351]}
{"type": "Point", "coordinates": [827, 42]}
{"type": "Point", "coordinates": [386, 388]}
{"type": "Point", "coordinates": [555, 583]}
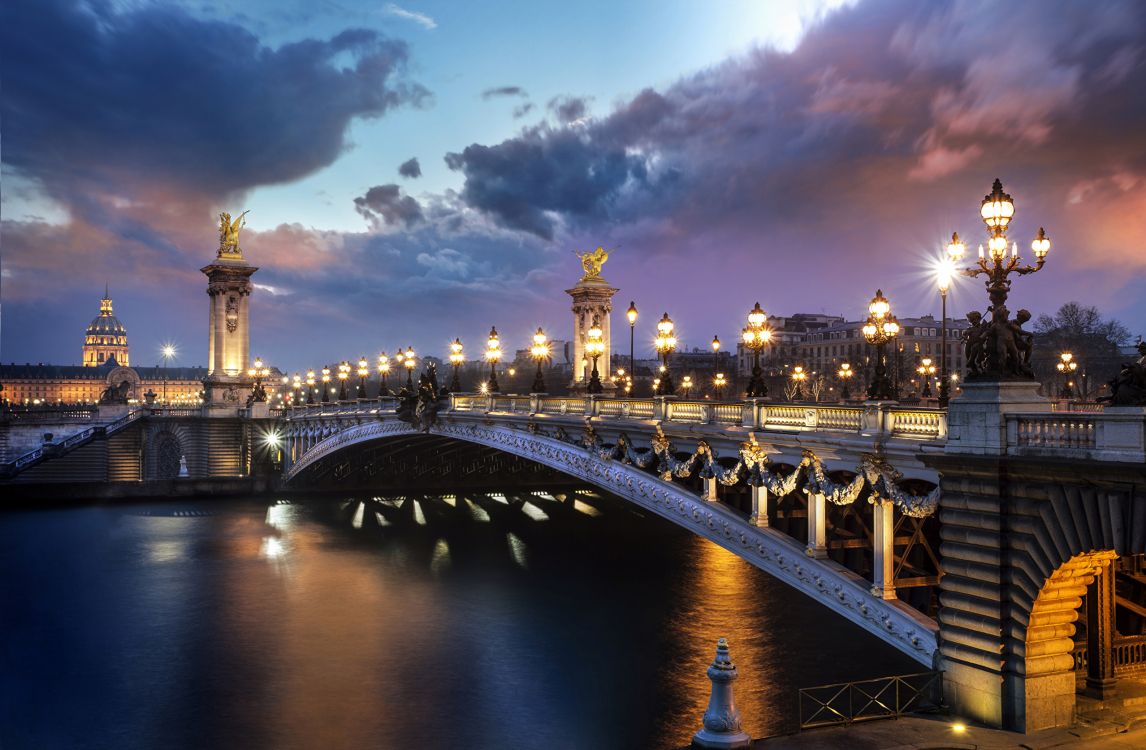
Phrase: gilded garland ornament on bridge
{"type": "Point", "coordinates": [591, 263]}
{"type": "Point", "coordinates": [229, 235]}
{"type": "Point", "coordinates": [995, 346]}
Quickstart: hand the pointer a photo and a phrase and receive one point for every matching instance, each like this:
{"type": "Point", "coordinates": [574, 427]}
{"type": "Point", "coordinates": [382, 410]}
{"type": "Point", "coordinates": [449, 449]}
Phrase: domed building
{"type": "Point", "coordinates": [106, 338]}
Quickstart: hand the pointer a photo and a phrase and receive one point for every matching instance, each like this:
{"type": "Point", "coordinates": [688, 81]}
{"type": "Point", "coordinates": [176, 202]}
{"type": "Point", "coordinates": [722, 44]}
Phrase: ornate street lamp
{"type": "Point", "coordinates": [631, 313]}
{"type": "Point", "coordinates": [363, 371]}
{"type": "Point", "coordinates": [310, 386]}
{"type": "Point", "coordinates": [718, 384]}
{"type": "Point", "coordinates": [665, 344]}
{"type": "Point", "coordinates": [383, 371]}
{"type": "Point", "coordinates": [399, 359]}
{"type": "Point", "coordinates": [926, 372]}
{"type": "Point", "coordinates": [880, 328]}
{"type": "Point", "coordinates": [595, 347]}
{"type": "Point", "coordinates": [457, 358]}
{"type": "Point", "coordinates": [410, 362]}
{"type": "Point", "coordinates": [325, 385]}
{"type": "Point", "coordinates": [168, 353]}
{"type": "Point", "coordinates": [845, 374]}
{"type": "Point", "coordinates": [943, 281]}
{"type": "Point", "coordinates": [296, 390]}
{"type": "Point", "coordinates": [999, 349]}
{"type": "Point", "coordinates": [756, 336]}
{"type": "Point", "coordinates": [493, 355]}
{"type": "Point", "coordinates": [1067, 366]}
{"type": "Point", "coordinates": [686, 385]}
{"type": "Point", "coordinates": [540, 352]}
{"type": "Point", "coordinates": [258, 372]}
{"type": "Point", "coordinates": [798, 377]}
{"type": "Point", "coordinates": [343, 374]}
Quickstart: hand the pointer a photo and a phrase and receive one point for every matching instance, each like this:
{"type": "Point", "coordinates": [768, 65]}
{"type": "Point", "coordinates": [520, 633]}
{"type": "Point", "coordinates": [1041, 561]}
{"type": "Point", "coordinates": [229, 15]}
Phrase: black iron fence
{"type": "Point", "coordinates": [879, 698]}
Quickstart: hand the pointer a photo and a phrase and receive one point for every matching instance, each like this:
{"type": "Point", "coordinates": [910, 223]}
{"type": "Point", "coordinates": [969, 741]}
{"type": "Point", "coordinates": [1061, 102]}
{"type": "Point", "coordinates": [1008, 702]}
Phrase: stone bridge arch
{"type": "Point", "coordinates": [824, 580]}
{"type": "Point", "coordinates": [1023, 539]}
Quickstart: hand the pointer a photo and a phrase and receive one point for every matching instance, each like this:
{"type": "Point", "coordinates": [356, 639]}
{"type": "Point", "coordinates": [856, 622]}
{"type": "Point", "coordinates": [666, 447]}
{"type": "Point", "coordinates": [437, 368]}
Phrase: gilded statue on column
{"type": "Point", "coordinates": [229, 235]}
{"type": "Point", "coordinates": [591, 262]}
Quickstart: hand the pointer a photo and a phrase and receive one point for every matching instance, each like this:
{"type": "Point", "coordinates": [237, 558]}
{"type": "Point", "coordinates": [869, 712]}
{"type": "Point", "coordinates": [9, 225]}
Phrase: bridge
{"type": "Point", "coordinates": [967, 537]}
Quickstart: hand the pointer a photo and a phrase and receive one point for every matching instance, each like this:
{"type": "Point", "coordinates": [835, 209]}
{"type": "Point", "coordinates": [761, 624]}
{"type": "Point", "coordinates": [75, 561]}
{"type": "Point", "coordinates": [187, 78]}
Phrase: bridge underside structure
{"type": "Point", "coordinates": [365, 445]}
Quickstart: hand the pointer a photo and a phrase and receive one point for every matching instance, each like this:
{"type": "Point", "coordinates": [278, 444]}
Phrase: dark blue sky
{"type": "Point", "coordinates": [420, 171]}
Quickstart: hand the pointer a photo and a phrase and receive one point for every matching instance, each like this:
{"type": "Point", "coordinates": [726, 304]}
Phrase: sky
{"type": "Point", "coordinates": [419, 171]}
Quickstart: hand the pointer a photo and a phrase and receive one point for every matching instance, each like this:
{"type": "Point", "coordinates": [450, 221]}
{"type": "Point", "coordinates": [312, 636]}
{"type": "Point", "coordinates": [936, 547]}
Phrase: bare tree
{"type": "Point", "coordinates": [1093, 340]}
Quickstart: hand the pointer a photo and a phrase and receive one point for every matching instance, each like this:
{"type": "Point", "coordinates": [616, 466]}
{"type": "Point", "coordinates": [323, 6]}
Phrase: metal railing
{"type": "Point", "coordinates": [864, 700]}
{"type": "Point", "coordinates": [1129, 653]}
{"type": "Point", "coordinates": [55, 449]}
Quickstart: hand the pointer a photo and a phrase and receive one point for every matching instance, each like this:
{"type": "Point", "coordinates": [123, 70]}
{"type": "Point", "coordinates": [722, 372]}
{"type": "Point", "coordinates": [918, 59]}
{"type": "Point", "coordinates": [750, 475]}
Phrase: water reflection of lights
{"type": "Point", "coordinates": [477, 511]}
{"type": "Point", "coordinates": [534, 512]}
{"type": "Point", "coordinates": [272, 547]}
{"type": "Point", "coordinates": [381, 519]}
{"type": "Point", "coordinates": [419, 517]}
{"type": "Point", "coordinates": [517, 549]}
{"type": "Point", "coordinates": [441, 557]}
{"type": "Point", "coordinates": [359, 512]}
{"type": "Point", "coordinates": [166, 551]}
{"type": "Point", "coordinates": [585, 508]}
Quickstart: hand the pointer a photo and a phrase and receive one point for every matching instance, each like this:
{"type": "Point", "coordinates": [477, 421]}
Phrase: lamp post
{"type": "Point", "coordinates": [325, 385]}
{"type": "Point", "coordinates": [718, 384]}
{"type": "Point", "coordinates": [631, 313]}
{"type": "Point", "coordinates": [595, 347]}
{"type": "Point", "coordinates": [363, 371]}
{"type": "Point", "coordinates": [686, 385]}
{"type": "Point", "coordinates": [845, 374]}
{"type": "Point", "coordinates": [540, 352]}
{"type": "Point", "coordinates": [715, 357]}
{"type": "Point", "coordinates": [943, 281]}
{"type": "Point", "coordinates": [457, 357]}
{"type": "Point", "coordinates": [296, 390]}
{"type": "Point", "coordinates": [493, 355]}
{"type": "Point", "coordinates": [880, 328]}
{"type": "Point", "coordinates": [926, 372]}
{"type": "Point", "coordinates": [1003, 348]}
{"type": "Point", "coordinates": [756, 336]}
{"type": "Point", "coordinates": [1067, 366]}
{"type": "Point", "coordinates": [310, 386]}
{"type": "Point", "coordinates": [399, 359]}
{"type": "Point", "coordinates": [798, 377]}
{"type": "Point", "coordinates": [168, 351]}
{"type": "Point", "coordinates": [665, 344]}
{"type": "Point", "coordinates": [258, 372]}
{"type": "Point", "coordinates": [410, 362]}
{"type": "Point", "coordinates": [343, 374]}
{"type": "Point", "coordinates": [383, 372]}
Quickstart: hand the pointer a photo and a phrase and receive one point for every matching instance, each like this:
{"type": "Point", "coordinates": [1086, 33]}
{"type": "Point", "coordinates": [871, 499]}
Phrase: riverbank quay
{"type": "Point", "coordinates": [942, 733]}
{"type": "Point", "coordinates": [20, 495]}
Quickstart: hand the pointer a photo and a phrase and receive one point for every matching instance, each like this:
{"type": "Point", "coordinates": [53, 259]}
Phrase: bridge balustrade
{"type": "Point", "coordinates": [1114, 435]}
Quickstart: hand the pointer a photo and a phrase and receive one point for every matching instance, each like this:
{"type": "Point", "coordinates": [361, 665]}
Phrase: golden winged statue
{"type": "Point", "coordinates": [229, 234]}
{"type": "Point", "coordinates": [592, 263]}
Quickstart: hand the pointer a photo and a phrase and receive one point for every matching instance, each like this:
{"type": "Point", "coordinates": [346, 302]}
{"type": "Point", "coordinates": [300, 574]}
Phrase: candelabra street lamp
{"type": "Point", "coordinates": [845, 374]}
{"type": "Point", "coordinates": [363, 372]}
{"type": "Point", "coordinates": [493, 355]}
{"type": "Point", "coordinates": [631, 313]}
{"type": "Point", "coordinates": [296, 390]}
{"type": "Point", "coordinates": [383, 372]}
{"type": "Point", "coordinates": [595, 347]}
{"type": "Point", "coordinates": [343, 375]}
{"type": "Point", "coordinates": [756, 336]}
{"type": "Point", "coordinates": [798, 377]}
{"type": "Point", "coordinates": [1067, 367]}
{"type": "Point", "coordinates": [457, 358]}
{"type": "Point", "coordinates": [943, 281]}
{"type": "Point", "coordinates": [325, 385]}
{"type": "Point", "coordinates": [258, 372]}
{"type": "Point", "coordinates": [168, 352]}
{"type": "Point", "coordinates": [665, 345]}
{"type": "Point", "coordinates": [999, 349]}
{"type": "Point", "coordinates": [310, 386]}
{"type": "Point", "coordinates": [926, 372]}
{"type": "Point", "coordinates": [718, 385]}
{"type": "Point", "coordinates": [686, 385]}
{"type": "Point", "coordinates": [540, 352]}
{"type": "Point", "coordinates": [880, 328]}
{"type": "Point", "coordinates": [410, 362]}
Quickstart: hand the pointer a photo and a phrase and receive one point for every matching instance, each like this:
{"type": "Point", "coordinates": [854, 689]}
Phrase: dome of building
{"type": "Point", "coordinates": [106, 338]}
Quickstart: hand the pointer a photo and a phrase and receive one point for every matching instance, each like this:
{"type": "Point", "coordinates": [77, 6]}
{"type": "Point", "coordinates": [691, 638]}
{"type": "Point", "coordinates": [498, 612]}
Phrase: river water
{"type": "Point", "coordinates": [401, 622]}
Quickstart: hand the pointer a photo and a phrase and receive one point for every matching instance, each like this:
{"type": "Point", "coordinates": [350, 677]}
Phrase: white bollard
{"type": "Point", "coordinates": [722, 719]}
